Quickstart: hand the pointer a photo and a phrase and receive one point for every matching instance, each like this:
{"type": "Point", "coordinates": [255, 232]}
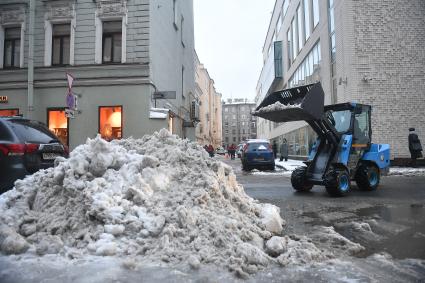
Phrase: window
{"type": "Point", "coordinates": [182, 86]}
{"type": "Point", "coordinates": [307, 19]}
{"type": "Point", "coordinates": [9, 112]}
{"type": "Point", "coordinates": [226, 109]}
{"type": "Point", "coordinates": [12, 48]}
{"type": "Point", "coordinates": [294, 38]}
{"type": "Point", "coordinates": [233, 132]}
{"type": "Point", "coordinates": [289, 47]}
{"type": "Point", "coordinates": [315, 12]}
{"type": "Point", "coordinates": [234, 139]}
{"type": "Point", "coordinates": [60, 44]}
{"type": "Point", "coordinates": [300, 28]}
{"type": "Point", "coordinates": [181, 30]}
{"type": "Point", "coordinates": [112, 42]}
{"type": "Point", "coordinates": [285, 7]}
{"type": "Point", "coordinates": [175, 14]}
{"type": "Point", "coordinates": [234, 116]}
{"type": "Point", "coordinates": [58, 124]}
{"type": "Point", "coordinates": [226, 139]}
{"type": "Point", "coordinates": [278, 25]}
{"type": "Point", "coordinates": [110, 122]}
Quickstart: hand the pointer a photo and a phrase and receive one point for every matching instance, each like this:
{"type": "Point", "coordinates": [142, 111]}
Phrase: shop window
{"type": "Point", "coordinates": [58, 124]}
{"type": "Point", "coordinates": [12, 48]}
{"type": "Point", "coordinates": [9, 112]}
{"type": "Point", "coordinates": [110, 122]}
{"type": "Point", "coordinates": [61, 44]}
{"type": "Point", "coordinates": [112, 41]}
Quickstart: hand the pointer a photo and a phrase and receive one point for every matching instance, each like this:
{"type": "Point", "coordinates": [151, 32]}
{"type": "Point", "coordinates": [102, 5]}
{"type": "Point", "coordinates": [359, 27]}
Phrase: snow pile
{"type": "Point", "coordinates": [406, 171]}
{"type": "Point", "coordinates": [276, 107]}
{"type": "Point", "coordinates": [159, 197]}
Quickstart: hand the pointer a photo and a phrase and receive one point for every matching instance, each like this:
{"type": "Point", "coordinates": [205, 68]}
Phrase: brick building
{"type": "Point", "coordinates": [365, 51]}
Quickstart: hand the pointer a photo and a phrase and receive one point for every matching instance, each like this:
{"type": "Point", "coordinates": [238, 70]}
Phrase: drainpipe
{"type": "Point", "coordinates": [30, 109]}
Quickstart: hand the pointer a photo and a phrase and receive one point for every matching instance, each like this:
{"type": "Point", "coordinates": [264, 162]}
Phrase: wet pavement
{"type": "Point", "coordinates": [390, 219]}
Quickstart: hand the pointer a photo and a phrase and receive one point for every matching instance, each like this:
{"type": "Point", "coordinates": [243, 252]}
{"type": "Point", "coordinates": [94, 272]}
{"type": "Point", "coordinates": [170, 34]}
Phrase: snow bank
{"type": "Point", "coordinates": [406, 171]}
{"type": "Point", "coordinates": [159, 197]}
{"type": "Point", "coordinates": [276, 107]}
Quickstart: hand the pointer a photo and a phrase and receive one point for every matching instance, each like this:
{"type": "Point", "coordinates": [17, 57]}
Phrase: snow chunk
{"type": "Point", "coordinates": [271, 219]}
{"type": "Point", "coordinates": [276, 107]}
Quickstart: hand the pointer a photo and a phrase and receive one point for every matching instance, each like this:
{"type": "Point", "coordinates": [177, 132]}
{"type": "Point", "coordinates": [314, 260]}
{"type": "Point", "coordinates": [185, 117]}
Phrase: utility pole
{"type": "Point", "coordinates": [30, 109]}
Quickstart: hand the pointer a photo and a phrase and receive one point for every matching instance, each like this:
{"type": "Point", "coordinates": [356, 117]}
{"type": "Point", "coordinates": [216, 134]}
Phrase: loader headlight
{"type": "Point", "coordinates": [382, 157]}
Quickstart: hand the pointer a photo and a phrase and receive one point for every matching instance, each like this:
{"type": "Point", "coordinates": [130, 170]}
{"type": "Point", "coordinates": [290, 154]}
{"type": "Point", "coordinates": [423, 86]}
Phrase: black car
{"type": "Point", "coordinates": [25, 147]}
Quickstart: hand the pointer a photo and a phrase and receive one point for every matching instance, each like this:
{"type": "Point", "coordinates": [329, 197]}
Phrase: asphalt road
{"type": "Point", "coordinates": [394, 214]}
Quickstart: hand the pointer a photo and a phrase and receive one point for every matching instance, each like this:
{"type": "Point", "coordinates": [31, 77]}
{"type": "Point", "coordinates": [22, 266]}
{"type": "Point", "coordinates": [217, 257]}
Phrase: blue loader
{"type": "Point", "coordinates": [343, 151]}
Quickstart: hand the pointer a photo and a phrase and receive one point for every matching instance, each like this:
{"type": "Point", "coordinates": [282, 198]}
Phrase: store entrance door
{"type": "Point", "coordinates": [58, 123]}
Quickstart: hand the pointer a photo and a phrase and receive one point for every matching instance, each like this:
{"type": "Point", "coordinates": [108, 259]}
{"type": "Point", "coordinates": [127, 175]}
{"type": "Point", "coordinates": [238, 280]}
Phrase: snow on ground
{"type": "Point", "coordinates": [406, 171]}
{"type": "Point", "coordinates": [160, 198]}
{"type": "Point", "coordinates": [284, 168]}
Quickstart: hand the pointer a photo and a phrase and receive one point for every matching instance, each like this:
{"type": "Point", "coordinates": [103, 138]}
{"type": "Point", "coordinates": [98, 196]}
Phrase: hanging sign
{"type": "Point", "coordinates": [4, 99]}
{"type": "Point", "coordinates": [71, 99]}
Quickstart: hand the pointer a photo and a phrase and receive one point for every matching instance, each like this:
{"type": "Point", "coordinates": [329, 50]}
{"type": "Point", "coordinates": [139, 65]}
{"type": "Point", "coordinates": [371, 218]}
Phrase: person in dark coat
{"type": "Point", "coordinates": [415, 146]}
{"type": "Point", "coordinates": [210, 150]}
{"type": "Point", "coordinates": [274, 148]}
{"type": "Point", "coordinates": [284, 150]}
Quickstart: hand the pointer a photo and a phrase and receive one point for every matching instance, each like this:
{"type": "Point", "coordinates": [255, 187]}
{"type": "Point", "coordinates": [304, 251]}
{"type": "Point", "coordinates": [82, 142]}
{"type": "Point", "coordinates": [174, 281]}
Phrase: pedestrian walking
{"type": "Point", "coordinates": [274, 148]}
{"type": "Point", "coordinates": [415, 147]}
{"type": "Point", "coordinates": [210, 150]}
{"type": "Point", "coordinates": [284, 150]}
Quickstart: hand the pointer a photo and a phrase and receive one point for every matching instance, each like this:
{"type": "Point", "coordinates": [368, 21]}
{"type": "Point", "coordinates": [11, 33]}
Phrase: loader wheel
{"type": "Point", "coordinates": [298, 180]}
{"type": "Point", "coordinates": [367, 177]}
{"type": "Point", "coordinates": [338, 183]}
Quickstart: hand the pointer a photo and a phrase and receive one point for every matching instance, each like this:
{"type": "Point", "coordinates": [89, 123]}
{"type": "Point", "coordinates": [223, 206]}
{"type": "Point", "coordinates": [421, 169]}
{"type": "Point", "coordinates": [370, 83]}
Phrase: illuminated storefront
{"type": "Point", "coordinates": [110, 122]}
{"type": "Point", "coordinates": [9, 112]}
{"type": "Point", "coordinates": [58, 123]}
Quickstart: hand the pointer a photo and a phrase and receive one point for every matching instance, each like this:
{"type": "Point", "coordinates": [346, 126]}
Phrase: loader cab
{"type": "Point", "coordinates": [354, 119]}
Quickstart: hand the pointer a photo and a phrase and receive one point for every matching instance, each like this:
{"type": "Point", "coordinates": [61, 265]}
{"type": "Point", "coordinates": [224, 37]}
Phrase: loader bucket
{"type": "Point", "coordinates": [293, 104]}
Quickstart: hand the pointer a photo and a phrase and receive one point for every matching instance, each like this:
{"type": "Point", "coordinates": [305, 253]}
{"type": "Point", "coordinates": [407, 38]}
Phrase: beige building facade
{"type": "Point", "coordinates": [208, 130]}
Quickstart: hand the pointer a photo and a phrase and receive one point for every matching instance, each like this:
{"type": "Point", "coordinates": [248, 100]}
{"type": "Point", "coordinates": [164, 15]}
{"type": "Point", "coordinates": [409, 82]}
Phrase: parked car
{"type": "Point", "coordinates": [26, 146]}
{"type": "Point", "coordinates": [220, 151]}
{"type": "Point", "coordinates": [257, 154]}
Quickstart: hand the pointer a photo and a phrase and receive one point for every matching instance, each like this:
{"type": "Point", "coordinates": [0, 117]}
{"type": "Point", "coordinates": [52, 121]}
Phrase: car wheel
{"type": "Point", "coordinates": [338, 183]}
{"type": "Point", "coordinates": [367, 177]}
{"type": "Point", "coordinates": [299, 181]}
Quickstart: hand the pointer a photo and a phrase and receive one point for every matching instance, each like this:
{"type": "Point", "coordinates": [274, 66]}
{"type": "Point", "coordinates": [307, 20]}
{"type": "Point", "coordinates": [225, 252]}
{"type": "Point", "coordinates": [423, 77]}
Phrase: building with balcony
{"type": "Point", "coordinates": [132, 64]}
{"type": "Point", "coordinates": [238, 123]}
{"type": "Point", "coordinates": [370, 52]}
{"type": "Point", "coordinates": [208, 130]}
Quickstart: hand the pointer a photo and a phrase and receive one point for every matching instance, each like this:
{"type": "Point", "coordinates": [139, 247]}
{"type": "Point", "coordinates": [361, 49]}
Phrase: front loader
{"type": "Point", "coordinates": [343, 150]}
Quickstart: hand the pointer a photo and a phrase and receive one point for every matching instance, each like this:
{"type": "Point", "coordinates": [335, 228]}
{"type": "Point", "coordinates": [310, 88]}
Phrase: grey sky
{"type": "Point", "coordinates": [229, 37]}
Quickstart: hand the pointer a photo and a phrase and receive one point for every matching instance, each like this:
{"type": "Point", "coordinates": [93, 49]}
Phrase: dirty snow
{"type": "Point", "coordinates": [284, 168]}
{"type": "Point", "coordinates": [276, 107]}
{"type": "Point", "coordinates": [160, 197]}
{"type": "Point", "coordinates": [406, 171]}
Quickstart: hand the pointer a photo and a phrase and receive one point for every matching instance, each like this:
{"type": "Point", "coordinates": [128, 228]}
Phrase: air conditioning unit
{"type": "Point", "coordinates": [194, 111]}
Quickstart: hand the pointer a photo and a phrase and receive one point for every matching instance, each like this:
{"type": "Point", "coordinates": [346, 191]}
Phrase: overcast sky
{"type": "Point", "coordinates": [229, 37]}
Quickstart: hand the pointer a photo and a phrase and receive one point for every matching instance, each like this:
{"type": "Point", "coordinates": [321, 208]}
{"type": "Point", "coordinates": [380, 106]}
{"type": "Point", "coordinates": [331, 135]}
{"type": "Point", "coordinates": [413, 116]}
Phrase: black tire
{"type": "Point", "coordinates": [246, 167]}
{"type": "Point", "coordinates": [298, 180]}
{"type": "Point", "coordinates": [271, 167]}
{"type": "Point", "coordinates": [367, 177]}
{"type": "Point", "coordinates": [338, 183]}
